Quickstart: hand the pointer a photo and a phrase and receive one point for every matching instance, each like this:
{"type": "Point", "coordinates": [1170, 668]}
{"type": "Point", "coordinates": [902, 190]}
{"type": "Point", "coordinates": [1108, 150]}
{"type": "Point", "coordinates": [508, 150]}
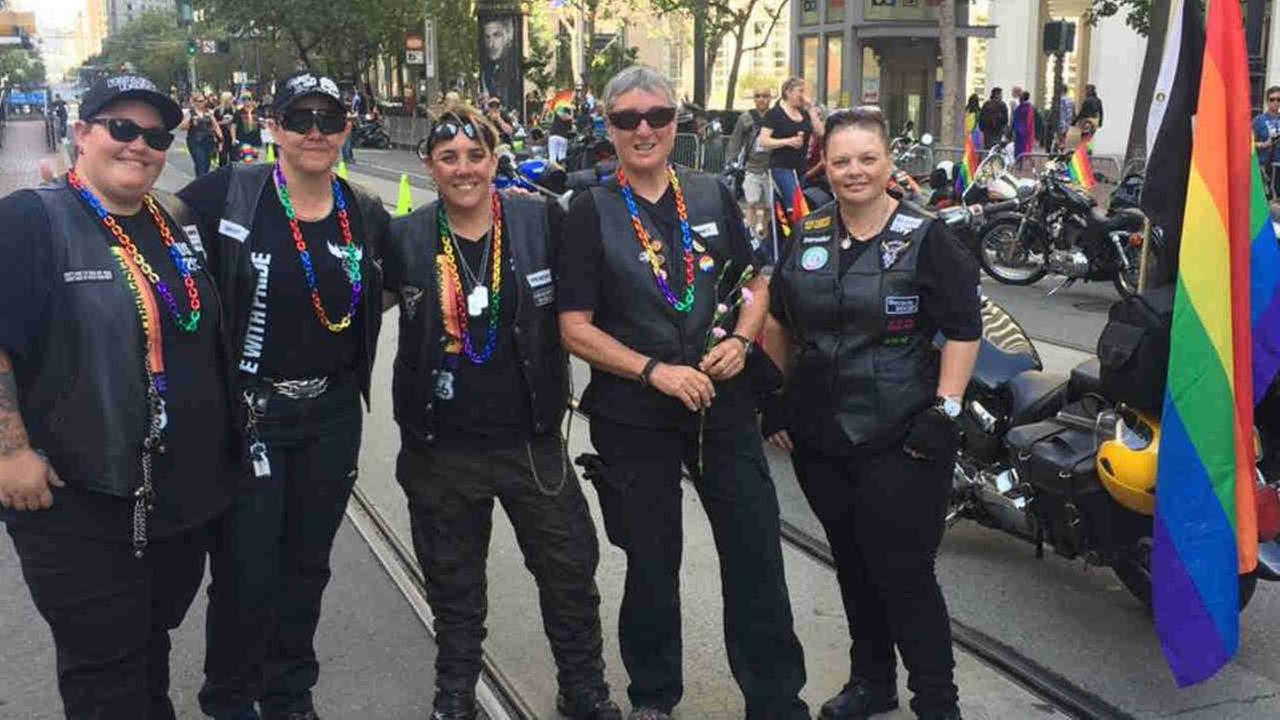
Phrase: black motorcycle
{"type": "Point", "coordinates": [369, 133]}
{"type": "Point", "coordinates": [1061, 229]}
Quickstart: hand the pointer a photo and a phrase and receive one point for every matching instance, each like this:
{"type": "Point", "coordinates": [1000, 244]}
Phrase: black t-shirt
{"type": "Point", "coordinates": [784, 127]}
{"type": "Point", "coordinates": [197, 477]}
{"type": "Point", "coordinates": [580, 281]}
{"type": "Point", "coordinates": [947, 273]}
{"type": "Point", "coordinates": [561, 127]}
{"type": "Point", "coordinates": [295, 344]}
{"type": "Point", "coordinates": [246, 135]}
{"type": "Point", "coordinates": [201, 129]}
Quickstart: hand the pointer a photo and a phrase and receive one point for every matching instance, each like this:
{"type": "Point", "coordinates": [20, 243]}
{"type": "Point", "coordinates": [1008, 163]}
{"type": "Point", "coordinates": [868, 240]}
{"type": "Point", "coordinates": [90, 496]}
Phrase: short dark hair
{"type": "Point", "coordinates": [1273, 88]}
{"type": "Point", "coordinates": [866, 117]}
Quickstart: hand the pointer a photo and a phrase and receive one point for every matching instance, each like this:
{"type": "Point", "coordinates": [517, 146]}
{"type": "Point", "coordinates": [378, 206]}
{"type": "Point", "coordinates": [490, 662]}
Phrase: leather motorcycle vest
{"type": "Point", "coordinates": [420, 353]}
{"type": "Point", "coordinates": [633, 310]}
{"type": "Point", "coordinates": [866, 359]}
{"type": "Point", "coordinates": [86, 403]}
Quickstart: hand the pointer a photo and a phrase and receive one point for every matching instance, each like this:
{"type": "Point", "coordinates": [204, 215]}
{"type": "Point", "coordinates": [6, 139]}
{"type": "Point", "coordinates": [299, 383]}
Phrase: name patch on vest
{"type": "Point", "coordinates": [818, 223]}
{"type": "Point", "coordinates": [816, 239]}
{"type": "Point", "coordinates": [81, 276]}
{"type": "Point", "coordinates": [902, 305]}
{"type": "Point", "coordinates": [538, 279]}
{"type": "Point", "coordinates": [544, 291]}
{"type": "Point", "coordinates": [233, 230]}
{"type": "Point", "coordinates": [904, 224]}
{"type": "Point", "coordinates": [706, 230]}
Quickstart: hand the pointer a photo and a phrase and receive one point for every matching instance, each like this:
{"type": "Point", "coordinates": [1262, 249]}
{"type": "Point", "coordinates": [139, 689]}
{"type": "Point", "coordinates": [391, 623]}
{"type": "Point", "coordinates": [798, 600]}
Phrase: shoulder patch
{"type": "Point", "coordinates": [818, 223]}
{"type": "Point", "coordinates": [905, 223]}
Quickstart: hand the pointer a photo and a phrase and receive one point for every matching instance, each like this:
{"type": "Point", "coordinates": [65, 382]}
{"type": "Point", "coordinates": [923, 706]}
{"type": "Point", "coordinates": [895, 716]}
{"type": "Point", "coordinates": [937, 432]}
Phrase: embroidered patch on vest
{"type": "Point", "coordinates": [818, 223]}
{"type": "Point", "coordinates": [902, 305]}
{"type": "Point", "coordinates": [815, 239]}
{"type": "Point", "coordinates": [890, 250]}
{"type": "Point", "coordinates": [814, 258]}
{"type": "Point", "coordinates": [538, 279]}
{"type": "Point", "coordinates": [905, 223]}
{"type": "Point", "coordinates": [80, 276]}
{"type": "Point", "coordinates": [193, 237]}
{"type": "Point", "coordinates": [706, 230]}
{"type": "Point", "coordinates": [233, 230]}
{"type": "Point", "coordinates": [410, 296]}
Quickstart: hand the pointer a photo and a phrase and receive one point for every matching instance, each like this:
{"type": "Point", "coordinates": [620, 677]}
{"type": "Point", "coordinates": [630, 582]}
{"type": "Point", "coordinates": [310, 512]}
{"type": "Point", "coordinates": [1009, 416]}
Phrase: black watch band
{"type": "Point", "coordinates": [648, 370]}
{"type": "Point", "coordinates": [746, 343]}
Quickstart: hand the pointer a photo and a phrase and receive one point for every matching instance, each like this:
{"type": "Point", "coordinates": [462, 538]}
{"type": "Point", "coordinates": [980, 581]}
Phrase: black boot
{"type": "Point", "coordinates": [952, 713]}
{"type": "Point", "coordinates": [587, 704]}
{"type": "Point", "coordinates": [860, 700]}
{"type": "Point", "coordinates": [450, 705]}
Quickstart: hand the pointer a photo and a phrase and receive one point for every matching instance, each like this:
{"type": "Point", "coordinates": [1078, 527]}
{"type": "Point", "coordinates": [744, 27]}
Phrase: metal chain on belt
{"type": "Point", "coordinates": [144, 496]}
{"type": "Point", "coordinates": [564, 448]}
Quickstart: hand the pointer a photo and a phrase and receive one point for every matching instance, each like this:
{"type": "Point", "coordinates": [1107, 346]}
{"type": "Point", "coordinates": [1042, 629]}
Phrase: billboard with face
{"type": "Point", "coordinates": [501, 51]}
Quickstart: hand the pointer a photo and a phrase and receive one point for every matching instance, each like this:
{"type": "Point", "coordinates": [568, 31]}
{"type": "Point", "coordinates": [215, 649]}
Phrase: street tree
{"type": "Point", "coordinates": [24, 67]}
{"type": "Point", "coordinates": [952, 90]}
{"type": "Point", "coordinates": [153, 45]}
{"type": "Point", "coordinates": [721, 19]}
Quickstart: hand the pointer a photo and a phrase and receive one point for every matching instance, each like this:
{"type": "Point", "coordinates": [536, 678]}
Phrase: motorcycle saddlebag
{"type": "Point", "coordinates": [1055, 457]}
{"type": "Point", "coordinates": [1134, 350]}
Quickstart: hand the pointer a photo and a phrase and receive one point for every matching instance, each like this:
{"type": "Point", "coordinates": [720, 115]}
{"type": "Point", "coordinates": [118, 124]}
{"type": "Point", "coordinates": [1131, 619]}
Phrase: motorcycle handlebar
{"type": "Point", "coordinates": [1002, 206]}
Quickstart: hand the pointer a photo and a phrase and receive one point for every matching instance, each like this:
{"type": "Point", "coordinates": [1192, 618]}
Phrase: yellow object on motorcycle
{"type": "Point", "coordinates": [1128, 452]}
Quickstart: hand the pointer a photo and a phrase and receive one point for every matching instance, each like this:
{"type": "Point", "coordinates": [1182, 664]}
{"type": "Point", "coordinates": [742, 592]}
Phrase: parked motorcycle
{"type": "Point", "coordinates": [369, 133]}
{"type": "Point", "coordinates": [1061, 229]}
{"type": "Point", "coordinates": [1048, 460]}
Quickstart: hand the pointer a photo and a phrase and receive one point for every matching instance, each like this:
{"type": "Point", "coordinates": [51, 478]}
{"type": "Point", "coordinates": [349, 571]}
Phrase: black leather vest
{"type": "Point", "coordinates": [633, 310]}
{"type": "Point", "coordinates": [866, 359]}
{"type": "Point", "coordinates": [85, 405]}
{"type": "Point", "coordinates": [238, 278]}
{"type": "Point", "coordinates": [420, 353]}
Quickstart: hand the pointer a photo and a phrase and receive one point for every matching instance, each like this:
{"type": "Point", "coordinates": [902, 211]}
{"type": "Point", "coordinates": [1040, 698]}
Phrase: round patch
{"type": "Point", "coordinates": [706, 263]}
{"type": "Point", "coordinates": [814, 258]}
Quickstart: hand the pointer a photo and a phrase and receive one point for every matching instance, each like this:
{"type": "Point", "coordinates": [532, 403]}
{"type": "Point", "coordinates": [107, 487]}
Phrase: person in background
{"type": "Point", "coordinates": [354, 118]}
{"type": "Point", "coordinates": [788, 128]}
{"type": "Point", "coordinates": [1266, 137]}
{"type": "Point", "coordinates": [869, 411]}
{"type": "Point", "coordinates": [994, 119]}
{"type": "Point", "coordinates": [1024, 127]}
{"type": "Point", "coordinates": [1066, 112]}
{"type": "Point", "coordinates": [225, 115]}
{"type": "Point", "coordinates": [744, 148]}
{"type": "Point", "coordinates": [561, 132]}
{"type": "Point", "coordinates": [1089, 118]}
{"type": "Point", "coordinates": [972, 110]}
{"type": "Point", "coordinates": [248, 128]}
{"type": "Point", "coordinates": [1015, 97]}
{"type": "Point", "coordinates": [204, 135]}
{"type": "Point", "coordinates": [501, 120]}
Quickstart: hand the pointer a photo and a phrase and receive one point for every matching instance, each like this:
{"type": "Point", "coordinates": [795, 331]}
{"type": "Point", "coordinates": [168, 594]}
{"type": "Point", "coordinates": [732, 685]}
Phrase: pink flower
{"type": "Point", "coordinates": [719, 333]}
{"type": "Point", "coordinates": [747, 296]}
{"type": "Point", "coordinates": [721, 309]}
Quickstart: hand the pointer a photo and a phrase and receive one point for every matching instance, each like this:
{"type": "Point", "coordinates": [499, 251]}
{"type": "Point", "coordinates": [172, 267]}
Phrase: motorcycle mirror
{"type": "Point", "coordinates": [926, 139]}
{"type": "Point", "coordinates": [563, 200]}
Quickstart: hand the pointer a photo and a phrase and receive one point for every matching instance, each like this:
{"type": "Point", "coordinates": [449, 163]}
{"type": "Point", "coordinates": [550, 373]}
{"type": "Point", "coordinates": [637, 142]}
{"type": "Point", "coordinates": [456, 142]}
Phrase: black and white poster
{"type": "Point", "coordinates": [501, 52]}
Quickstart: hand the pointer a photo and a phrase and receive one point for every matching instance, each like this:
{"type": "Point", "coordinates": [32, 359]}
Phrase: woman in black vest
{"type": "Point", "coordinates": [480, 390]}
{"type": "Point", "coordinates": [204, 134]}
{"type": "Point", "coordinates": [121, 455]}
{"type": "Point", "coordinates": [860, 296]}
{"type": "Point", "coordinates": [660, 402]}
{"type": "Point", "coordinates": [295, 251]}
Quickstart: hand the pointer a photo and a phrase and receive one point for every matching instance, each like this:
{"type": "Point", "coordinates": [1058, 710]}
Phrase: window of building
{"type": "Point", "coordinates": [870, 77]}
{"type": "Point", "coordinates": [808, 12]}
{"type": "Point", "coordinates": [835, 95]}
{"type": "Point", "coordinates": [809, 59]}
{"type": "Point", "coordinates": [835, 10]}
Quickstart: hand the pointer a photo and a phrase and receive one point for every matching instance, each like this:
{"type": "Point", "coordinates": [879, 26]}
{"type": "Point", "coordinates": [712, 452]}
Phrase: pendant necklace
{"type": "Point", "coordinates": [476, 300]}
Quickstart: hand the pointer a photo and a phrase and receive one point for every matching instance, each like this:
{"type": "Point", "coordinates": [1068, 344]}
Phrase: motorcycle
{"type": "Point", "coordinates": [1060, 229]}
{"type": "Point", "coordinates": [534, 175]}
{"type": "Point", "coordinates": [1048, 460]}
{"type": "Point", "coordinates": [369, 133]}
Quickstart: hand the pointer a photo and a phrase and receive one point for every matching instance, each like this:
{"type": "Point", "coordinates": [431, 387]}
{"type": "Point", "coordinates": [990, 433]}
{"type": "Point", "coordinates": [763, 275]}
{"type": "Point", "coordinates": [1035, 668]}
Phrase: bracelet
{"type": "Point", "coordinates": [648, 370]}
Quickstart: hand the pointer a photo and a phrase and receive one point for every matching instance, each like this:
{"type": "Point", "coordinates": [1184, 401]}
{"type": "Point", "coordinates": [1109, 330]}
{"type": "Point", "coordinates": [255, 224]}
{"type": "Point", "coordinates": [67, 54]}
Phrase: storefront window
{"type": "Point", "coordinates": [835, 72]}
{"type": "Point", "coordinates": [870, 78]}
{"type": "Point", "coordinates": [808, 12]}
{"type": "Point", "coordinates": [835, 10]}
{"type": "Point", "coordinates": [809, 60]}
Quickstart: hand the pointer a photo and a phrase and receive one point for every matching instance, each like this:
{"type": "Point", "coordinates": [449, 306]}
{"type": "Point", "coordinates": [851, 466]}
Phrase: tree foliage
{"type": "Point", "coordinates": [726, 19]}
{"type": "Point", "coordinates": [153, 45]}
{"type": "Point", "coordinates": [24, 67]}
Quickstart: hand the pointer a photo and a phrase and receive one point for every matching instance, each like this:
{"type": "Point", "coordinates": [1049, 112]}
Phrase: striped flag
{"type": "Point", "coordinates": [799, 205]}
{"type": "Point", "coordinates": [1225, 314]}
{"type": "Point", "coordinates": [1081, 167]}
{"type": "Point", "coordinates": [967, 168]}
{"type": "Point", "coordinates": [1173, 105]}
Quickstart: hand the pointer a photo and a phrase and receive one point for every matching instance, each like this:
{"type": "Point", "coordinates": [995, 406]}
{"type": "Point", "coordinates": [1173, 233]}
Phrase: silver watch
{"type": "Point", "coordinates": [949, 405]}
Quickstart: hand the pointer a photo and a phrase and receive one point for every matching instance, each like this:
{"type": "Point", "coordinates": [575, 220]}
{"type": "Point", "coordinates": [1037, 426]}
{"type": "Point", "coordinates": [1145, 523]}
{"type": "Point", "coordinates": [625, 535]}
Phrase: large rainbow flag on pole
{"type": "Point", "coordinates": [967, 168]}
{"type": "Point", "coordinates": [1224, 354]}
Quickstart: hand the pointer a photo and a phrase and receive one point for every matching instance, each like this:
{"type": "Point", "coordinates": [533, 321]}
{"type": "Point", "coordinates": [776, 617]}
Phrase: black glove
{"type": "Point", "coordinates": [593, 467]}
{"type": "Point", "coordinates": [933, 435]}
{"type": "Point", "coordinates": [773, 415]}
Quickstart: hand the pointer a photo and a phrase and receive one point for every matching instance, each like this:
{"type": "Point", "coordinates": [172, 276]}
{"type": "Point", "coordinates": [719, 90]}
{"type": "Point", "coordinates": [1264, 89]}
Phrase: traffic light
{"type": "Point", "coordinates": [193, 47]}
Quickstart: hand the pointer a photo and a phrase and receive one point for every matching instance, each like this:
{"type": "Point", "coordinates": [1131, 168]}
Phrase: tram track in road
{"type": "Point", "coordinates": [496, 693]}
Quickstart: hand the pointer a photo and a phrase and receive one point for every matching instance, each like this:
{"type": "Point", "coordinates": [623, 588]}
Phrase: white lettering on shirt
{"type": "Point", "coordinates": [255, 337]}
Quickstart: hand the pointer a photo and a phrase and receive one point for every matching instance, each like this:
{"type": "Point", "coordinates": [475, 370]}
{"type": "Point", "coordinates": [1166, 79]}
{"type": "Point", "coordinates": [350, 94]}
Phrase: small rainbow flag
{"type": "Point", "coordinates": [563, 98]}
{"type": "Point", "coordinates": [1081, 167]}
{"type": "Point", "coordinates": [1225, 347]}
{"type": "Point", "coordinates": [967, 168]}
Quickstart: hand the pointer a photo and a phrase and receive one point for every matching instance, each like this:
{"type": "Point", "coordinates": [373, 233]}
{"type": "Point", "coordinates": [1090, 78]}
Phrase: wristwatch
{"type": "Point", "coordinates": [747, 345]}
{"type": "Point", "coordinates": [949, 405]}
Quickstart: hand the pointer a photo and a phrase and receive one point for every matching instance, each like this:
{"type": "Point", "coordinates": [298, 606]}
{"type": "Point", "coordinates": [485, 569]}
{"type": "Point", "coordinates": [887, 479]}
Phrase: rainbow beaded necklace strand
{"type": "Point", "coordinates": [191, 321]}
{"type": "Point", "coordinates": [459, 297]}
{"type": "Point", "coordinates": [652, 249]}
{"type": "Point", "coordinates": [350, 263]}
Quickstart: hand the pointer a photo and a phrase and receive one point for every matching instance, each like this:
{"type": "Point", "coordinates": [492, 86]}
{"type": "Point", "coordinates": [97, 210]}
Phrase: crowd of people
{"type": "Point", "coordinates": [182, 377]}
{"type": "Point", "coordinates": [1026, 125]}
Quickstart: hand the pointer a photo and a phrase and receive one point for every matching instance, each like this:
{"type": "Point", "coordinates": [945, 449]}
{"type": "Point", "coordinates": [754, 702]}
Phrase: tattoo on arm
{"type": "Point", "coordinates": [13, 433]}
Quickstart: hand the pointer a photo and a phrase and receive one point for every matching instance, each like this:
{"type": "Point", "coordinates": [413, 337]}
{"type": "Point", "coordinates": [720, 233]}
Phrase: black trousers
{"type": "Point", "coordinates": [883, 514]}
{"type": "Point", "coordinates": [451, 496]}
{"type": "Point", "coordinates": [641, 500]}
{"type": "Point", "coordinates": [111, 614]}
{"type": "Point", "coordinates": [270, 561]}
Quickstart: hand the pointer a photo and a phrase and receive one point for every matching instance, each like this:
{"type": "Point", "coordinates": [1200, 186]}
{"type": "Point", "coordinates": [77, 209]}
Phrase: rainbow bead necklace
{"type": "Point", "coordinates": [191, 321]}
{"type": "Point", "coordinates": [350, 262]}
{"type": "Point", "coordinates": [652, 248]}
{"type": "Point", "coordinates": [459, 297]}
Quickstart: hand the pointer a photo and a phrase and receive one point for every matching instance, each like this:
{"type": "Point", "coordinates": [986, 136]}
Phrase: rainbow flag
{"type": "Point", "coordinates": [564, 98]}
{"type": "Point", "coordinates": [967, 168]}
{"type": "Point", "coordinates": [1225, 316]}
{"type": "Point", "coordinates": [1081, 167]}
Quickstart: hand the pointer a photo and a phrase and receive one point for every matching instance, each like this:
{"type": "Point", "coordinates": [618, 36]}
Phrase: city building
{"type": "Point", "coordinates": [122, 12]}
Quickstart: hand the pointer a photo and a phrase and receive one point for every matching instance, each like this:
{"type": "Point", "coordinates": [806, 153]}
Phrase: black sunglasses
{"type": "Point", "coordinates": [1273, 99]}
{"type": "Point", "coordinates": [449, 129]}
{"type": "Point", "coordinates": [301, 121]}
{"type": "Point", "coordinates": [126, 131]}
{"type": "Point", "coordinates": [658, 117]}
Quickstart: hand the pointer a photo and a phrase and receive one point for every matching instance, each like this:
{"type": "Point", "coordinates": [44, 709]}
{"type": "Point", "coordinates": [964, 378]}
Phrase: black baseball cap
{"type": "Point", "coordinates": [129, 87]}
{"type": "Point", "coordinates": [305, 83]}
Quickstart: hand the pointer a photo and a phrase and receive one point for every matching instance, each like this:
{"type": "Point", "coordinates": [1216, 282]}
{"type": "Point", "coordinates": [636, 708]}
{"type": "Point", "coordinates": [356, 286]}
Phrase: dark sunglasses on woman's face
{"type": "Point", "coordinates": [126, 131]}
{"type": "Point", "coordinates": [1273, 99]}
{"type": "Point", "coordinates": [301, 121]}
{"type": "Point", "coordinates": [658, 117]}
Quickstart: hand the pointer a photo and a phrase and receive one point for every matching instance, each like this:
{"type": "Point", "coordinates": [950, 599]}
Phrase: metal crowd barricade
{"type": "Point", "coordinates": [688, 151]}
{"type": "Point", "coordinates": [714, 153]}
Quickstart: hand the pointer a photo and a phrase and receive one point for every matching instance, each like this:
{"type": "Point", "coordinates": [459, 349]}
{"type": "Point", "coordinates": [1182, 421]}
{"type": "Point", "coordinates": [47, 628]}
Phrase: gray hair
{"type": "Point", "coordinates": [637, 77]}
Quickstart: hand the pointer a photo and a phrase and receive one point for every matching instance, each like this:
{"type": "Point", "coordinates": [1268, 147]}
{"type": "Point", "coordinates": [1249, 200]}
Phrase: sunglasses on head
{"type": "Point", "coordinates": [301, 121]}
{"type": "Point", "coordinates": [126, 131]}
{"type": "Point", "coordinates": [658, 117]}
{"type": "Point", "coordinates": [450, 129]}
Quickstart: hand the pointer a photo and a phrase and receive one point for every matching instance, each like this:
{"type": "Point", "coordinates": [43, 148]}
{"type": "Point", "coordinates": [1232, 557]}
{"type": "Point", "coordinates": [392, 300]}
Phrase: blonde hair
{"type": "Point", "coordinates": [464, 114]}
{"type": "Point", "coordinates": [788, 85]}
